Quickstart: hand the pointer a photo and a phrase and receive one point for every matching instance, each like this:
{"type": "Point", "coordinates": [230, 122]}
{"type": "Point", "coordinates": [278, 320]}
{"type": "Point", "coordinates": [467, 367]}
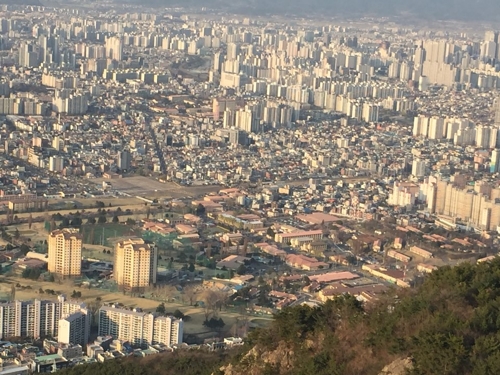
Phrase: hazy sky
{"type": "Point", "coordinates": [428, 9]}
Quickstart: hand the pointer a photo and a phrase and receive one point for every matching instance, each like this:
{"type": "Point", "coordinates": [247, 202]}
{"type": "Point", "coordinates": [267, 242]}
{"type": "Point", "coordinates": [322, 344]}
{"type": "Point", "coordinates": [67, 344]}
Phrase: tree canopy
{"type": "Point", "coordinates": [449, 325]}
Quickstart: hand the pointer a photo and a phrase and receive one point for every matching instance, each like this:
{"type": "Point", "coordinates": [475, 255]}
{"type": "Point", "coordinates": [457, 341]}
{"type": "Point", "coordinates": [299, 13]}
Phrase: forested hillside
{"type": "Point", "coordinates": [448, 326]}
{"type": "Point", "coordinates": [182, 362]}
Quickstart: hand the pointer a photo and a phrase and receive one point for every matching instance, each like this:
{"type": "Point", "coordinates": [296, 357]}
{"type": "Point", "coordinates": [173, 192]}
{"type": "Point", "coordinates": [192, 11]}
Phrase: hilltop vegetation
{"type": "Point", "coordinates": [182, 362]}
{"type": "Point", "coordinates": [448, 326]}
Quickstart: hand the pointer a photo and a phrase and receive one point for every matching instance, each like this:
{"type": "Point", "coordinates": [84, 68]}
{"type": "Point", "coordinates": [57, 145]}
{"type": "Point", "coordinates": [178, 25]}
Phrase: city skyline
{"type": "Point", "coordinates": [191, 174]}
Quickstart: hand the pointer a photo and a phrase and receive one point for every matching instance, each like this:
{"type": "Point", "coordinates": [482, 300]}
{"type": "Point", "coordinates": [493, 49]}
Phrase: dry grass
{"type": "Point", "coordinates": [193, 326]}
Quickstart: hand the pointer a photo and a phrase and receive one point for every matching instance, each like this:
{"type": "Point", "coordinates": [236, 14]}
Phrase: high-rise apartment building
{"type": "Point", "coordinates": [418, 168]}
{"type": "Point", "coordinates": [124, 160]}
{"type": "Point", "coordinates": [70, 104]}
{"type": "Point", "coordinates": [135, 264]}
{"type": "Point", "coordinates": [483, 136]}
{"type": "Point", "coordinates": [138, 327]}
{"type": "Point", "coordinates": [496, 108]}
{"type": "Point", "coordinates": [56, 163]}
{"type": "Point", "coordinates": [27, 56]}
{"type": "Point", "coordinates": [114, 48]}
{"type": "Point", "coordinates": [474, 205]}
{"type": "Point", "coordinates": [495, 161]}
{"type": "Point", "coordinates": [65, 252]}
{"type": "Point", "coordinates": [74, 328]}
{"type": "Point", "coordinates": [42, 319]}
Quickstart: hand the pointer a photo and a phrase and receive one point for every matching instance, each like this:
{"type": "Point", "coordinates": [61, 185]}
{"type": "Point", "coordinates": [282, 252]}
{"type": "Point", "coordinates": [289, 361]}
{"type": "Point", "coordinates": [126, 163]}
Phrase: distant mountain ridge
{"type": "Point", "coordinates": [487, 10]}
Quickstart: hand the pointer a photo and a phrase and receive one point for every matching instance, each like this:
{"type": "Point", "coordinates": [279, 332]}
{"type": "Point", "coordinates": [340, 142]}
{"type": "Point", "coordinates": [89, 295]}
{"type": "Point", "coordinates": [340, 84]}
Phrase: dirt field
{"type": "Point", "coordinates": [150, 188]}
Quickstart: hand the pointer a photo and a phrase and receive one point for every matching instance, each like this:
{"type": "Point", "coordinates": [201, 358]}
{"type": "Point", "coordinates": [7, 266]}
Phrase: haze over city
{"type": "Point", "coordinates": [249, 187]}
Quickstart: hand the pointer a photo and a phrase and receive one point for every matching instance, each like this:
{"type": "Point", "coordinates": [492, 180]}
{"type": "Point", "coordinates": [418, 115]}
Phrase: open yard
{"type": "Point", "coordinates": [37, 232]}
{"type": "Point", "coordinates": [98, 252]}
{"type": "Point", "coordinates": [151, 188]}
{"type": "Point", "coordinates": [193, 326]}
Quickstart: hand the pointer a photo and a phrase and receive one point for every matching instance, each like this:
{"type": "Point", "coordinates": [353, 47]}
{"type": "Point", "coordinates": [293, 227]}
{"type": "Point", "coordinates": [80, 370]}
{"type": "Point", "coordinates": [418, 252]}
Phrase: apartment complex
{"type": "Point", "coordinates": [135, 264]}
{"type": "Point", "coordinates": [42, 318]}
{"type": "Point", "coordinates": [139, 327]}
{"type": "Point", "coordinates": [477, 205]}
{"type": "Point", "coordinates": [65, 252]}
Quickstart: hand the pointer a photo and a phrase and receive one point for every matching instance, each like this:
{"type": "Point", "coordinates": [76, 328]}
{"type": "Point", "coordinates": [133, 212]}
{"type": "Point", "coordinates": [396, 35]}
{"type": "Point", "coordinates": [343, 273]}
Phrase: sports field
{"type": "Point", "coordinates": [105, 234]}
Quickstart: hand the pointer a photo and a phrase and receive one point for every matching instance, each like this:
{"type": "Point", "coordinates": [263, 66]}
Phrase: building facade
{"type": "Point", "coordinates": [139, 327]}
{"type": "Point", "coordinates": [135, 264]}
{"type": "Point", "coordinates": [65, 252]}
{"type": "Point", "coordinates": [41, 318]}
{"type": "Point", "coordinates": [74, 328]}
{"type": "Point", "coordinates": [27, 203]}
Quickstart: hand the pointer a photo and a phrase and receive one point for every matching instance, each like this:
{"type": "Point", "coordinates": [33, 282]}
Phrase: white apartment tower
{"type": "Point", "coordinates": [139, 327]}
{"type": "Point", "coordinates": [41, 318]}
{"type": "Point", "coordinates": [74, 328]}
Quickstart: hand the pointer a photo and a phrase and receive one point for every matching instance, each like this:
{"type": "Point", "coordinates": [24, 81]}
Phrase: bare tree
{"type": "Point", "coordinates": [222, 299]}
{"type": "Point", "coordinates": [191, 294]}
{"type": "Point", "coordinates": [207, 311]}
{"type": "Point", "coordinates": [211, 299]}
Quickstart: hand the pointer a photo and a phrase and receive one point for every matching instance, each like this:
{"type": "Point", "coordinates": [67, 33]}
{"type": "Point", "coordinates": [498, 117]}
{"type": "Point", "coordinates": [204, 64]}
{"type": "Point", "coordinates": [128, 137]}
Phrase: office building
{"type": "Point", "coordinates": [135, 264]}
{"type": "Point", "coordinates": [41, 318]}
{"type": "Point", "coordinates": [65, 252]}
{"type": "Point", "coordinates": [138, 327]}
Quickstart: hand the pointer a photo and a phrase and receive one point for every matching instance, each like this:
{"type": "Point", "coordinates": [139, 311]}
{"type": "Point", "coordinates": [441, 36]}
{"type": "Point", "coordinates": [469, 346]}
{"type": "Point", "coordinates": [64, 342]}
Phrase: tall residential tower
{"type": "Point", "coordinates": [65, 252]}
{"type": "Point", "coordinates": [135, 264]}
